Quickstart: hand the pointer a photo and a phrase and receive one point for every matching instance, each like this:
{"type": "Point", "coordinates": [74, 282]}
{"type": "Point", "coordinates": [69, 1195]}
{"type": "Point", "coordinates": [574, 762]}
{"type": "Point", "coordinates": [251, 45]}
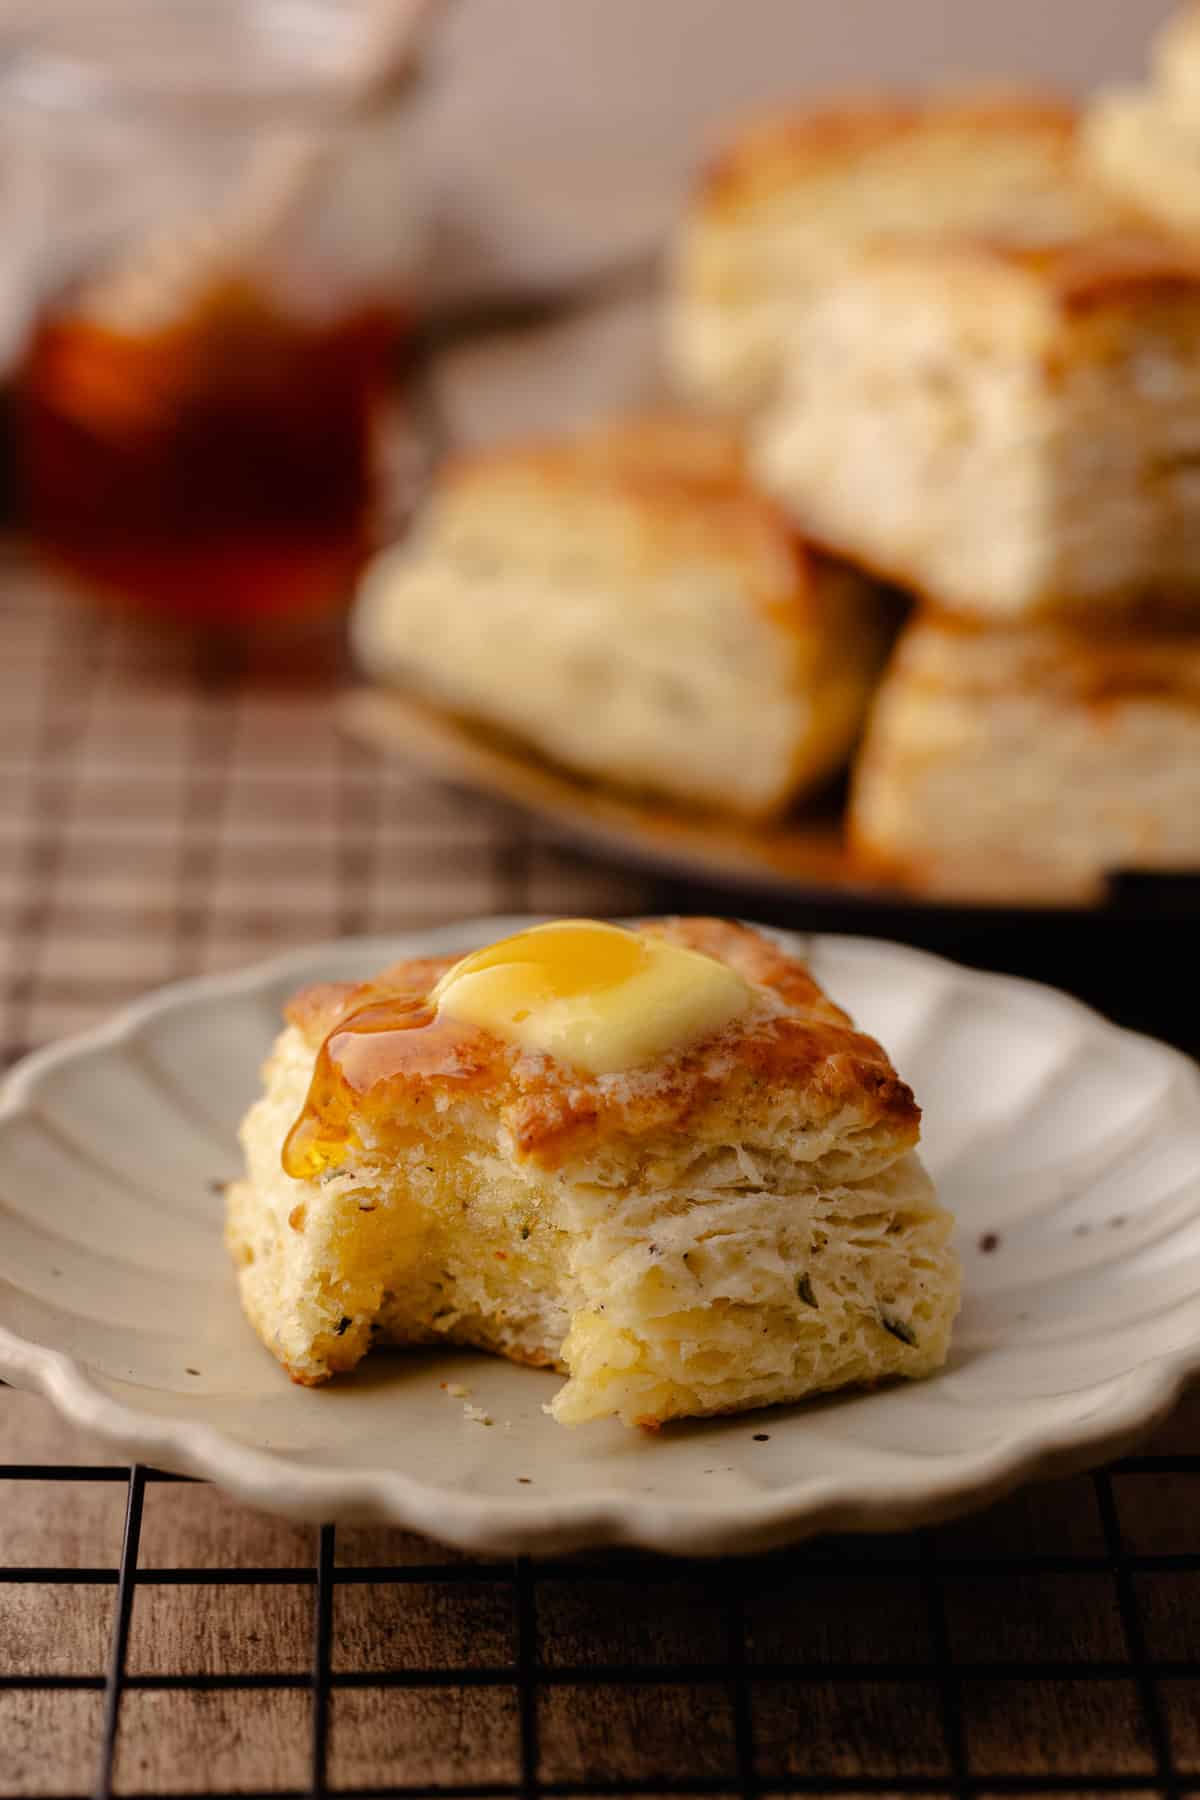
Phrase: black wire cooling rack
{"type": "Point", "coordinates": [737, 1678]}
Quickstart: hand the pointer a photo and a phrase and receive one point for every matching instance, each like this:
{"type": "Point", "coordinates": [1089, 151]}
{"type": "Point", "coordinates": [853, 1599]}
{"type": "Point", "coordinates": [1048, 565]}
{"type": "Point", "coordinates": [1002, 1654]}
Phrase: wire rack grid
{"type": "Point", "coordinates": [931, 1716]}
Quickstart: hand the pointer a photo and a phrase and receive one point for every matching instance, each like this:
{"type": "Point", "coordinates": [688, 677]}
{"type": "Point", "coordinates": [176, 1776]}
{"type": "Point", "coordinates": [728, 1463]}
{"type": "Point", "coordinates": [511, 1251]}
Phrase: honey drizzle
{"type": "Point", "coordinates": [392, 1037]}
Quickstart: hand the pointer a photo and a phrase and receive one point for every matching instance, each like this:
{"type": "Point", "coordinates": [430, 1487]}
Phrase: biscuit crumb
{"type": "Point", "coordinates": [477, 1415]}
{"type": "Point", "coordinates": [456, 1390]}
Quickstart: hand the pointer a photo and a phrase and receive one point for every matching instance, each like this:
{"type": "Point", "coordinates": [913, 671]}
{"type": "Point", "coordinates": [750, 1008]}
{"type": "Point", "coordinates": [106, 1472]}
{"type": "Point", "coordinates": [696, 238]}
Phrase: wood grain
{"type": "Point", "coordinates": [424, 1625]}
{"type": "Point", "coordinates": [794, 1616]}
{"type": "Point", "coordinates": [41, 1529]}
{"type": "Point", "coordinates": [221, 1631]}
{"type": "Point", "coordinates": [379, 1736]}
{"type": "Point", "coordinates": [55, 1628]}
{"type": "Point", "coordinates": [1055, 1728]}
{"type": "Point", "coordinates": [178, 1743]}
{"type": "Point", "coordinates": [51, 1742]}
{"type": "Point", "coordinates": [1053, 1518]}
{"type": "Point", "coordinates": [1026, 1618]}
{"type": "Point", "coordinates": [1160, 1513]}
{"type": "Point", "coordinates": [1169, 1605]}
{"type": "Point", "coordinates": [660, 1733]}
{"type": "Point", "coordinates": [186, 1526]}
{"type": "Point", "coordinates": [630, 1623]}
{"type": "Point", "coordinates": [850, 1728]}
{"type": "Point", "coordinates": [1183, 1723]}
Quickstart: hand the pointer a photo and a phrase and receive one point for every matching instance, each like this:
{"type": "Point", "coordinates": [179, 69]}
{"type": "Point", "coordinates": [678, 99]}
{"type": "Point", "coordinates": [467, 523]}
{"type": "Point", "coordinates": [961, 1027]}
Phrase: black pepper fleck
{"type": "Point", "coordinates": [191, 1371]}
{"type": "Point", "coordinates": [900, 1329]}
{"type": "Point", "coordinates": [804, 1288]}
{"type": "Point", "coordinates": [762, 1437]}
{"type": "Point", "coordinates": [525, 1480]}
{"type": "Point", "coordinates": [989, 1241]}
{"type": "Point", "coordinates": [343, 1325]}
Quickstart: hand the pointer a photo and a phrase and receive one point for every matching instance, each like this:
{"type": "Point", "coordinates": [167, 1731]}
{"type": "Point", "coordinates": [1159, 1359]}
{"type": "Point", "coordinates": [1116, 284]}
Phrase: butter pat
{"type": "Point", "coordinates": [596, 996]}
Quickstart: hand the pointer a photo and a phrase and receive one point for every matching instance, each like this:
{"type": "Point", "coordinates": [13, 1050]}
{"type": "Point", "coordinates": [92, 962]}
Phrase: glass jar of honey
{"type": "Point", "coordinates": [224, 235]}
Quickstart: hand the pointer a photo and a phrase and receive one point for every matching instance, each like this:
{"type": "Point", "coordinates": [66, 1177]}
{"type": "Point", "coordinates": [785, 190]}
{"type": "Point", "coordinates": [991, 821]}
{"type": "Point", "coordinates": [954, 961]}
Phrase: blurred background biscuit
{"type": "Point", "coordinates": [1010, 430]}
{"type": "Point", "coordinates": [788, 203]}
{"type": "Point", "coordinates": [634, 608]}
{"type": "Point", "coordinates": [1058, 752]}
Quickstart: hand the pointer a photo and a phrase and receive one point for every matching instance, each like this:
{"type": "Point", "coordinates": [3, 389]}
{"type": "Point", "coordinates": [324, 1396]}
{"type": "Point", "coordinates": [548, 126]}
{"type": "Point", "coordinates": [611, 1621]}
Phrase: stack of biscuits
{"type": "Point", "coordinates": [949, 346]}
{"type": "Point", "coordinates": [964, 343]}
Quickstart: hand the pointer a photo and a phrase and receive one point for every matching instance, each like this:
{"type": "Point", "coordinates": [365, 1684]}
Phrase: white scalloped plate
{"type": "Point", "coordinates": [1074, 1144]}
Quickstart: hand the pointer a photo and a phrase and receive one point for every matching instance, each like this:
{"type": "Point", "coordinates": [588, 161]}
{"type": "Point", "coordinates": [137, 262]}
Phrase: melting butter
{"type": "Point", "coordinates": [597, 996]}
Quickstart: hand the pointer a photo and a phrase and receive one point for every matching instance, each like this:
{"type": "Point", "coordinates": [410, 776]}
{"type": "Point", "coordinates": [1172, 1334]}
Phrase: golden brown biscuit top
{"type": "Point", "coordinates": [633, 453]}
{"type": "Point", "coordinates": [1113, 269]}
{"type": "Point", "coordinates": [656, 457]}
{"type": "Point", "coordinates": [681, 483]}
{"type": "Point", "coordinates": [385, 1056]}
{"type": "Point", "coordinates": [699, 453]}
{"type": "Point", "coordinates": [1074, 305]}
{"type": "Point", "coordinates": [773, 152]}
{"type": "Point", "coordinates": [1148, 655]}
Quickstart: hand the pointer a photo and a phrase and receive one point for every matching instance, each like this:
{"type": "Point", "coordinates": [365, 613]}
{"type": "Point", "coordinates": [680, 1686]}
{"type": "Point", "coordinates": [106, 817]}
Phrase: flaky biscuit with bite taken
{"type": "Point", "coordinates": [792, 199]}
{"type": "Point", "coordinates": [1011, 430]}
{"type": "Point", "coordinates": [1034, 757]}
{"type": "Point", "coordinates": [667, 1167]}
{"type": "Point", "coordinates": [632, 607]}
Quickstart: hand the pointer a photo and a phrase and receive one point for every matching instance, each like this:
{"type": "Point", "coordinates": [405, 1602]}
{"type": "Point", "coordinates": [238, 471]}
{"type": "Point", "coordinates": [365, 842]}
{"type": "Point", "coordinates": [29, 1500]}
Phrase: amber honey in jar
{"type": "Point", "coordinates": [199, 405]}
{"type": "Point", "coordinates": [219, 470]}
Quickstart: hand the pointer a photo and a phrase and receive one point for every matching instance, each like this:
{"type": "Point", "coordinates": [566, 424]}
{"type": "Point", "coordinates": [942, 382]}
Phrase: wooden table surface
{"type": "Point", "coordinates": [161, 815]}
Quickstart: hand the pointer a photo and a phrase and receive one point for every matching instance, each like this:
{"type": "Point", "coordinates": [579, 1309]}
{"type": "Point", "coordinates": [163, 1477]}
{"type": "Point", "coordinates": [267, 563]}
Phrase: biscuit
{"type": "Point", "coordinates": [1012, 431]}
{"type": "Point", "coordinates": [1143, 142]}
{"type": "Point", "coordinates": [739, 1221]}
{"type": "Point", "coordinates": [631, 607]}
{"type": "Point", "coordinates": [791, 200]}
{"type": "Point", "coordinates": [1175, 62]}
{"type": "Point", "coordinates": [1032, 757]}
